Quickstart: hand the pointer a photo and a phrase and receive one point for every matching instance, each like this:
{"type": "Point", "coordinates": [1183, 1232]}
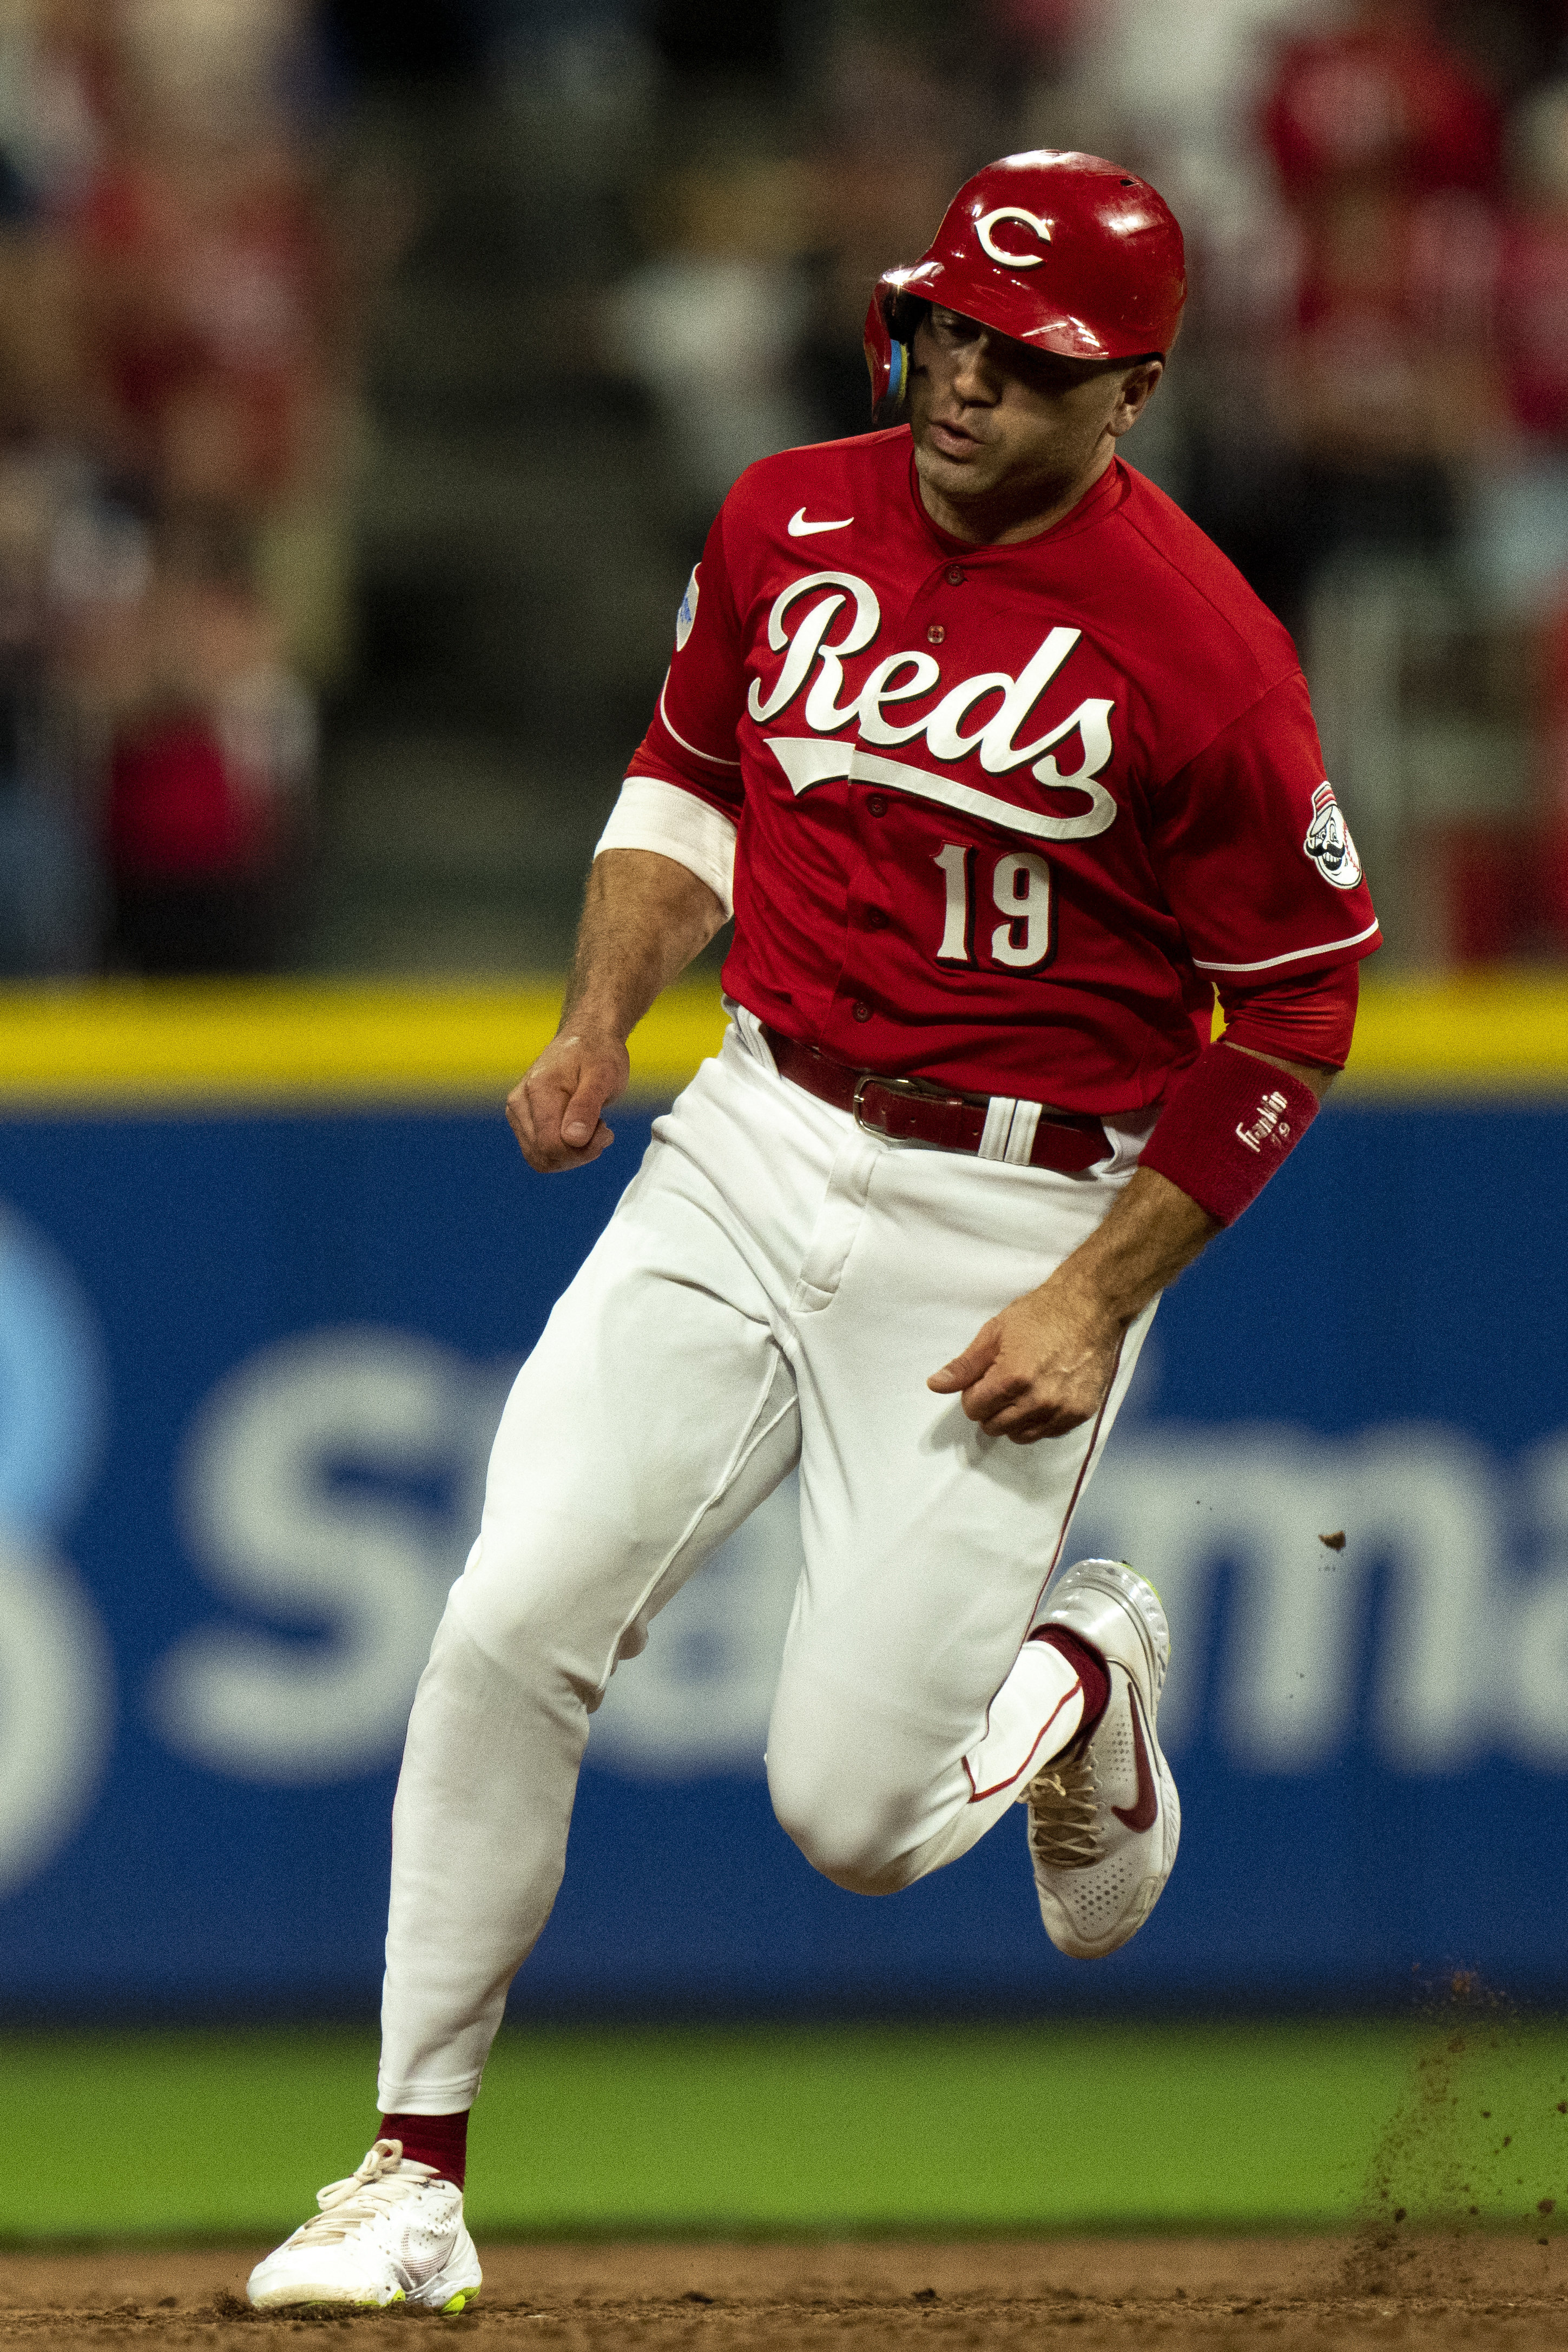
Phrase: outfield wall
{"type": "Point", "coordinates": [268, 1260]}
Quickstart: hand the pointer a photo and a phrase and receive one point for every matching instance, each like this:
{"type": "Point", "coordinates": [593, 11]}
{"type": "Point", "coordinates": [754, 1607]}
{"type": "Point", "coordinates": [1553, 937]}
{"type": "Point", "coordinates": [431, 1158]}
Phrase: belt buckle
{"type": "Point", "coordinates": [923, 1089]}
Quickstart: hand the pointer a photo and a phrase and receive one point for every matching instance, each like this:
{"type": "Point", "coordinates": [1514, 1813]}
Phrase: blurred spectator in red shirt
{"type": "Point", "coordinates": [1532, 278]}
{"type": "Point", "coordinates": [209, 746]}
{"type": "Point", "coordinates": [206, 261]}
{"type": "Point", "coordinates": [1385, 142]}
{"type": "Point", "coordinates": [213, 391]}
{"type": "Point", "coordinates": [1379, 103]}
{"type": "Point", "coordinates": [1519, 537]}
{"type": "Point", "coordinates": [1519, 502]}
{"type": "Point", "coordinates": [1360, 323]}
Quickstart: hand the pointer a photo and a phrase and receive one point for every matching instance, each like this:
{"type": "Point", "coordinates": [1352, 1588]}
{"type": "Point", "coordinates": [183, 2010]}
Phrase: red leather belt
{"type": "Point", "coordinates": [913, 1110]}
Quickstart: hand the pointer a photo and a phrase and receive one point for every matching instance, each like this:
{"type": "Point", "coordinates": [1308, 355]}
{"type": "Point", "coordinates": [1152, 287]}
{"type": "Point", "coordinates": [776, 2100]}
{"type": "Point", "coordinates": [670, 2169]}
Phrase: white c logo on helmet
{"type": "Point", "coordinates": [987, 222]}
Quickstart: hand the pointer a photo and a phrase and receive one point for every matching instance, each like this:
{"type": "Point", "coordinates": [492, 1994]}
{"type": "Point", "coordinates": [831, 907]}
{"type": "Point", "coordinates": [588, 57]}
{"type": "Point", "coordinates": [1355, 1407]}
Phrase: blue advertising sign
{"type": "Point", "coordinates": [250, 1368]}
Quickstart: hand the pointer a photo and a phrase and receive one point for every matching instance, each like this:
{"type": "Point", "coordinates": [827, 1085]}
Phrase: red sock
{"type": "Point", "coordinates": [1090, 1668]}
{"type": "Point", "coordinates": [439, 2140]}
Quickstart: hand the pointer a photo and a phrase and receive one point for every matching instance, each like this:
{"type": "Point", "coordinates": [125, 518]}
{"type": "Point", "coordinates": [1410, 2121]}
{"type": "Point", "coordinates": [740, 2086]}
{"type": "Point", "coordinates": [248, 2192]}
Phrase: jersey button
{"type": "Point", "coordinates": [877, 803]}
{"type": "Point", "coordinates": [935, 634]}
{"type": "Point", "coordinates": [955, 576]}
{"type": "Point", "coordinates": [862, 1011]}
{"type": "Point", "coordinates": [874, 919]}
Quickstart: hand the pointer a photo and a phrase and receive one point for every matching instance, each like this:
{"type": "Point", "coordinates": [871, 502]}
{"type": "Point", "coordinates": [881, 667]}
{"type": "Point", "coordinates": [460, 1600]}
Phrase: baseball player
{"type": "Point", "coordinates": [1004, 771]}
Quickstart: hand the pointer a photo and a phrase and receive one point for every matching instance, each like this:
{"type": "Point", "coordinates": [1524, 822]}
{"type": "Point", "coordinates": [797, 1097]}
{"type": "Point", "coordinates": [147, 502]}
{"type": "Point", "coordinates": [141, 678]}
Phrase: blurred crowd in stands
{"type": "Point", "coordinates": [1371, 384]}
{"type": "Point", "coordinates": [177, 320]}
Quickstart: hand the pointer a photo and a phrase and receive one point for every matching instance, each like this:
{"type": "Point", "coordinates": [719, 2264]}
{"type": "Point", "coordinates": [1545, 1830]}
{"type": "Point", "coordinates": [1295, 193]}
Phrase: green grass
{"type": "Point", "coordinates": [812, 2128]}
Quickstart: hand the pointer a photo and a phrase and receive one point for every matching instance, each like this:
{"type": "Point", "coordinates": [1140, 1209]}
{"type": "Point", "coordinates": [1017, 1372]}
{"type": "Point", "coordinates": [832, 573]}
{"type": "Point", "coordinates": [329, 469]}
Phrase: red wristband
{"type": "Point", "coordinates": [1229, 1124]}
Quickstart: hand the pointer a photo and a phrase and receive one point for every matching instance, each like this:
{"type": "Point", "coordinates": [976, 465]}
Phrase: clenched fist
{"type": "Point", "coordinates": [555, 1111]}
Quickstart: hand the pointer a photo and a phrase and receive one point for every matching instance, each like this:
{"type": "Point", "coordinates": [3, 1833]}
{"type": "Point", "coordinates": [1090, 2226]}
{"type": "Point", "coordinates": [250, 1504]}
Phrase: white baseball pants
{"type": "Point", "coordinates": [774, 1286]}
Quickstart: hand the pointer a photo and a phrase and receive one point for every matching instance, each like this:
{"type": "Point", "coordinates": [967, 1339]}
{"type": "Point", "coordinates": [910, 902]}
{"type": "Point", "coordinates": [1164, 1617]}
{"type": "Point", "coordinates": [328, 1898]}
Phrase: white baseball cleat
{"type": "Point", "coordinates": [392, 2232]}
{"type": "Point", "coordinates": [1104, 1817]}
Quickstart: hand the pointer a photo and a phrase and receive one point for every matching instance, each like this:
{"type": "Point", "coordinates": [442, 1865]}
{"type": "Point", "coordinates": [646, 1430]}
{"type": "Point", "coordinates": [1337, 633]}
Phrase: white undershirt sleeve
{"type": "Point", "coordinates": [652, 814]}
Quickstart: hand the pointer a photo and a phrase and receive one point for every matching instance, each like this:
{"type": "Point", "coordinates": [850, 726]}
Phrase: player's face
{"type": "Point", "coordinates": [1008, 438]}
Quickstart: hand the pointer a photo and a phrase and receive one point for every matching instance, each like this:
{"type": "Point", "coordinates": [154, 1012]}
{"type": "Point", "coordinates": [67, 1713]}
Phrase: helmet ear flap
{"type": "Point", "coordinates": [879, 348]}
{"type": "Point", "coordinates": [890, 325]}
{"type": "Point", "coordinates": [890, 409]}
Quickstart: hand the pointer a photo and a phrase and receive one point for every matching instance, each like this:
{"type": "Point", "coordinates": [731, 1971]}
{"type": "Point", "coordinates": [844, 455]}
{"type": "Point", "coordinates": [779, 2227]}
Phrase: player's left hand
{"type": "Point", "coordinates": [1040, 1368]}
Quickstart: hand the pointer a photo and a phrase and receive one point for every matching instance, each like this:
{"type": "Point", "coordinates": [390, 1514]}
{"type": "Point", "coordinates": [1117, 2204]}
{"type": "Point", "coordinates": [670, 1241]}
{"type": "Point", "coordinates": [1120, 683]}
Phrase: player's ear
{"type": "Point", "coordinates": [1139, 383]}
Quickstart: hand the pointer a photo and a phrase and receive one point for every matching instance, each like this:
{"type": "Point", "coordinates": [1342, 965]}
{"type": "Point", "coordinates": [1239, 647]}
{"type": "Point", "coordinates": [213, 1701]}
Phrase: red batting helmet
{"type": "Point", "coordinates": [1064, 251]}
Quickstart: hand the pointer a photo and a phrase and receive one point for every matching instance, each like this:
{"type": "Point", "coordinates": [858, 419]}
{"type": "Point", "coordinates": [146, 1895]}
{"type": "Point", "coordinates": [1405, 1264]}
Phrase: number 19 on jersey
{"type": "Point", "coordinates": [1019, 890]}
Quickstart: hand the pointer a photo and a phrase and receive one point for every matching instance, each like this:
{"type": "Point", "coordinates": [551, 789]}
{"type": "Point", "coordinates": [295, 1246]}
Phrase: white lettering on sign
{"type": "Point", "coordinates": [284, 1539]}
{"type": "Point", "coordinates": [986, 224]}
{"type": "Point", "coordinates": [1438, 1635]}
{"type": "Point", "coordinates": [57, 1706]}
{"type": "Point", "coordinates": [1276, 1662]}
{"type": "Point", "coordinates": [57, 1680]}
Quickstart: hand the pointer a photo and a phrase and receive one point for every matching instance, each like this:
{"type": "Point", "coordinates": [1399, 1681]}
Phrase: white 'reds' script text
{"type": "Point", "coordinates": [804, 635]}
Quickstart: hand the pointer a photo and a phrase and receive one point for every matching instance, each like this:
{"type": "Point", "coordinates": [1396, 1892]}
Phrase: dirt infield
{"type": "Point", "coordinates": [1431, 2290]}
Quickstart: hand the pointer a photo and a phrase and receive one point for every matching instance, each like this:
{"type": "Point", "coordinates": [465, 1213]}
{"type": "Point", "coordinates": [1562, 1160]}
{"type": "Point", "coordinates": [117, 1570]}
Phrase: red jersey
{"type": "Point", "coordinates": [1003, 813]}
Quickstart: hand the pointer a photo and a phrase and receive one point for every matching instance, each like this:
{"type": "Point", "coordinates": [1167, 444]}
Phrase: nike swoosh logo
{"type": "Point", "coordinates": [799, 528]}
{"type": "Point", "coordinates": [1140, 1814]}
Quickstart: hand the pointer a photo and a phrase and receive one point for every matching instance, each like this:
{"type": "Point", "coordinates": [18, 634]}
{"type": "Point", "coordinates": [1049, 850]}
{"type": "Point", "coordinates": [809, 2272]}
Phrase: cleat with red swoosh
{"type": "Point", "coordinates": [1104, 1817]}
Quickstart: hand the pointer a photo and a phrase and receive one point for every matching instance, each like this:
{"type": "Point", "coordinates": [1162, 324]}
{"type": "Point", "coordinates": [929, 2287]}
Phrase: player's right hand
{"type": "Point", "coordinates": [555, 1110]}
